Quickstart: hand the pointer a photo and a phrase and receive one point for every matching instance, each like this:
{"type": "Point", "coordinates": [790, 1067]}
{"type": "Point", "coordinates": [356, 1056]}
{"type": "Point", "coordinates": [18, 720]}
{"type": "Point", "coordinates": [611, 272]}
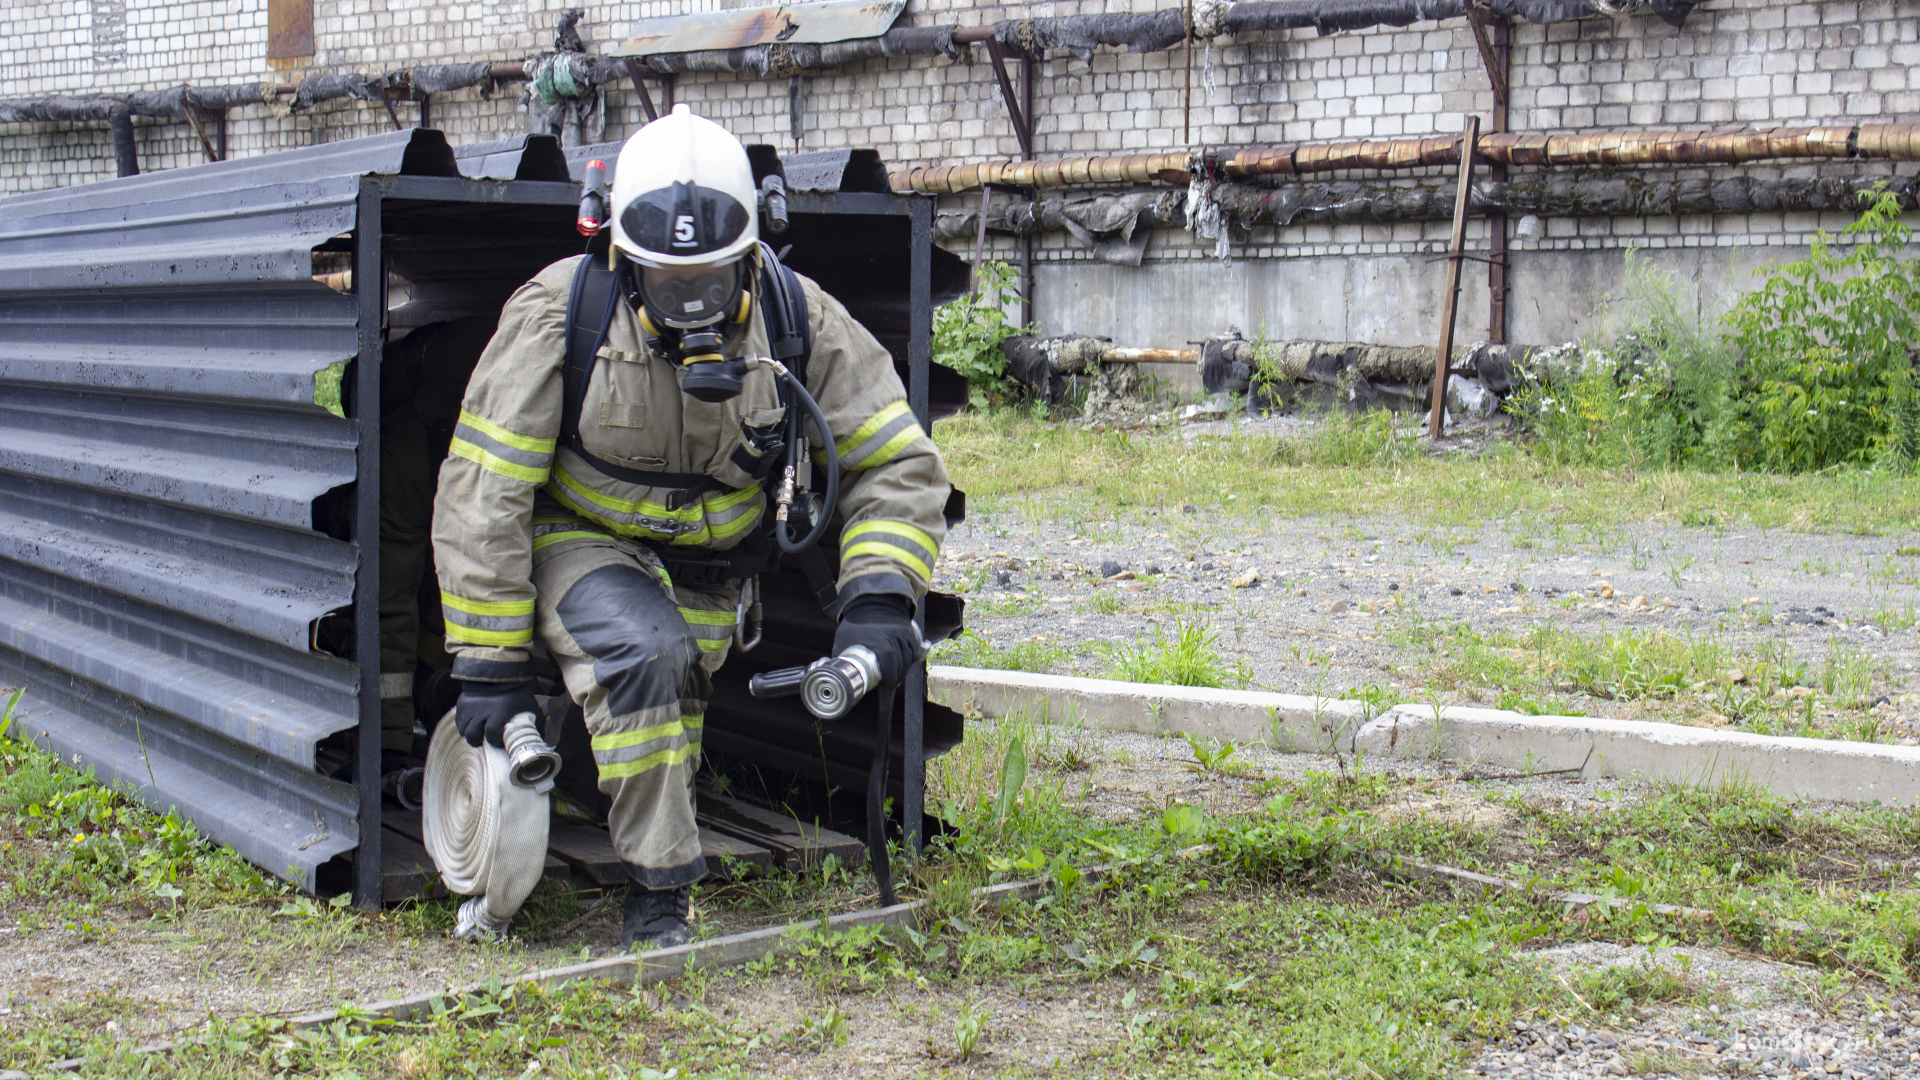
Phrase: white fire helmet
{"type": "Point", "coordinates": [683, 208]}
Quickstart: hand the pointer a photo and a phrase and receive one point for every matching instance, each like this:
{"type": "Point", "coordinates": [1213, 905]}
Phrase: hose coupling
{"type": "Point", "coordinates": [531, 763]}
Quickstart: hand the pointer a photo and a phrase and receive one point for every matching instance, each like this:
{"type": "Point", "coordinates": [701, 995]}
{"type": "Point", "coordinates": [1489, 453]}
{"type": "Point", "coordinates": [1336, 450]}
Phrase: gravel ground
{"type": "Point", "coordinates": [1327, 606]}
{"type": "Point", "coordinates": [1764, 1020]}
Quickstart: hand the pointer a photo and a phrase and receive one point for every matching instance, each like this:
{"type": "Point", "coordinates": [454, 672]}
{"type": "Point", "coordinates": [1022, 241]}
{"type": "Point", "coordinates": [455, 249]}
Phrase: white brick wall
{"type": "Point", "coordinates": [1759, 61]}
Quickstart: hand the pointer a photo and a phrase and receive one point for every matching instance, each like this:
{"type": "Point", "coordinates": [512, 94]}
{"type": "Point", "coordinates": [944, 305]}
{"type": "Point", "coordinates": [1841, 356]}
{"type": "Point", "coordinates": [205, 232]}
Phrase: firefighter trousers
{"type": "Point", "coordinates": [637, 655]}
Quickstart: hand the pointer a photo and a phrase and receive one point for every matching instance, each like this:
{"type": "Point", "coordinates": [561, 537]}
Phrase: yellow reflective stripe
{"type": "Point", "coordinates": [461, 448]}
{"type": "Point", "coordinates": [486, 607]}
{"type": "Point", "coordinates": [673, 756]}
{"type": "Point", "coordinates": [714, 644]}
{"type": "Point", "coordinates": [896, 528]}
{"type": "Point", "coordinates": [620, 740]}
{"type": "Point", "coordinates": [707, 504]}
{"type": "Point", "coordinates": [578, 534]}
{"type": "Point", "coordinates": [886, 415]}
{"type": "Point", "coordinates": [513, 439]}
{"type": "Point", "coordinates": [891, 450]}
{"type": "Point", "coordinates": [703, 617]}
{"type": "Point", "coordinates": [890, 551]}
{"type": "Point", "coordinates": [502, 638]}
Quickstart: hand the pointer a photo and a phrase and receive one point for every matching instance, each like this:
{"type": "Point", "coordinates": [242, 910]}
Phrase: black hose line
{"type": "Point", "coordinates": [877, 797]}
{"type": "Point", "coordinates": [782, 531]}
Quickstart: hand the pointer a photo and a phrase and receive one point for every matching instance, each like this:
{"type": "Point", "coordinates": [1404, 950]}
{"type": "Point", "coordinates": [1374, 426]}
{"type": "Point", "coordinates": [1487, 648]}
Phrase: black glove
{"type": "Point", "coordinates": [882, 622]}
{"type": "Point", "coordinates": [485, 708]}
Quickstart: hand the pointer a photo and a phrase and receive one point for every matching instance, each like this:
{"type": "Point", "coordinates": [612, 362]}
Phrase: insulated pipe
{"type": "Point", "coordinates": [126, 152]}
{"type": "Point", "coordinates": [1547, 194]}
{"type": "Point", "coordinates": [1620, 146]}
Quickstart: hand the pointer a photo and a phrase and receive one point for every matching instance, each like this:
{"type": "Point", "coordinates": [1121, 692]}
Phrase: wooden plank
{"type": "Point", "coordinates": [406, 870]}
{"type": "Point", "coordinates": [794, 845]}
{"type": "Point", "coordinates": [730, 857]}
{"type": "Point", "coordinates": [590, 849]}
{"type": "Point", "coordinates": [407, 824]}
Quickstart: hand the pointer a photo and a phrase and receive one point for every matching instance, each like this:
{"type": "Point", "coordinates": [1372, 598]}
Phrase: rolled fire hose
{"type": "Point", "coordinates": [485, 820]}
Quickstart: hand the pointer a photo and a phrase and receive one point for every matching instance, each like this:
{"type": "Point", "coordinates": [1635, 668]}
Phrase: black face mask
{"type": "Point", "coordinates": [700, 349]}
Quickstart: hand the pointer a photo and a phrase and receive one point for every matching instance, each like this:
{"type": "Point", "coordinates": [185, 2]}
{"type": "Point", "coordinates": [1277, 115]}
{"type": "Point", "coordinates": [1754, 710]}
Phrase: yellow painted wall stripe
{"type": "Point", "coordinates": [486, 607]}
{"type": "Point", "coordinates": [461, 448]}
{"type": "Point", "coordinates": [675, 756]}
{"type": "Point", "coordinates": [513, 439]}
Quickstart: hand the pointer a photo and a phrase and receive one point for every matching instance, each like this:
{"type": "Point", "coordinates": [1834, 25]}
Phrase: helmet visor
{"type": "Point", "coordinates": [689, 296]}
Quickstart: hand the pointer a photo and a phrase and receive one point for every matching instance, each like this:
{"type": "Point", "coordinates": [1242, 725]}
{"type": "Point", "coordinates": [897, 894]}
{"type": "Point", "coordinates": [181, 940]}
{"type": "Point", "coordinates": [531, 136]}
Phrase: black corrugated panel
{"type": "Point", "coordinates": [161, 451]}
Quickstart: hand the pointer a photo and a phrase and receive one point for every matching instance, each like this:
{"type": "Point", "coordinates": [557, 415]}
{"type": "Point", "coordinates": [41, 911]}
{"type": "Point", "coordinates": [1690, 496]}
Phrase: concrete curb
{"type": "Point", "coordinates": [1789, 767]}
{"type": "Point", "coordinates": [1827, 769]}
{"type": "Point", "coordinates": [1288, 722]}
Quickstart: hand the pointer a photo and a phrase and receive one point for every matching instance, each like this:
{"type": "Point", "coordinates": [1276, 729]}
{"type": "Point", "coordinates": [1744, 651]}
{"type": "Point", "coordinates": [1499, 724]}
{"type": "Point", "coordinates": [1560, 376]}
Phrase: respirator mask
{"type": "Point", "coordinates": [690, 309]}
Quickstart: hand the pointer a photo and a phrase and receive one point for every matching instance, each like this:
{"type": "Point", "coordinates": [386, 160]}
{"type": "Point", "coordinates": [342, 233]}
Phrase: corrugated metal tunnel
{"type": "Point", "coordinates": [180, 463]}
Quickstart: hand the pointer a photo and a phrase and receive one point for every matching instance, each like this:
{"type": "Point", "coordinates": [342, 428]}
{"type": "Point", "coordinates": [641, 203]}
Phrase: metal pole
{"type": "Point", "coordinates": [1026, 241]}
{"type": "Point", "coordinates": [1497, 223]}
{"type": "Point", "coordinates": [370, 289]}
{"type": "Point", "coordinates": [1450, 300]}
{"type": "Point", "coordinates": [919, 360]}
{"type": "Point", "coordinates": [1186, 100]}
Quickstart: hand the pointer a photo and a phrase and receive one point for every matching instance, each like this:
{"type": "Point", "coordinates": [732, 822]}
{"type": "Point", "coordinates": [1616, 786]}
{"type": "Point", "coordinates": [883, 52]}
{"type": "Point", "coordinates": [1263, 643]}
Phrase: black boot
{"type": "Point", "coordinates": [656, 918]}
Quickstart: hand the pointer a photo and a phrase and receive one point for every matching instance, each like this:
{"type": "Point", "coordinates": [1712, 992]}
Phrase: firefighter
{"type": "Point", "coordinates": [621, 526]}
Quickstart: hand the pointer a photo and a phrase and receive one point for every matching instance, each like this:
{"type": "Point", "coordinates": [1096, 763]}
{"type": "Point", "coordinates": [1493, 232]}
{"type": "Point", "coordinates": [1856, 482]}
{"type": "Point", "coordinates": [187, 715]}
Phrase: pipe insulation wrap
{"type": "Point", "coordinates": [487, 835]}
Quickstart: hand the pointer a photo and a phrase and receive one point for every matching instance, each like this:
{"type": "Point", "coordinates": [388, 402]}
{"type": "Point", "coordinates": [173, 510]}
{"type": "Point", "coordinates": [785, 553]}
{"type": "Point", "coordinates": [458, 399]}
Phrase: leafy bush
{"type": "Point", "coordinates": [1829, 342]}
{"type": "Point", "coordinates": [1655, 390]}
{"type": "Point", "coordinates": [1812, 369]}
{"type": "Point", "coordinates": [967, 332]}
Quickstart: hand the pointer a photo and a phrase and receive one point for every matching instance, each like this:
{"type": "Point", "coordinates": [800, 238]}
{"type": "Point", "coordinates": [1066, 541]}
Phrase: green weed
{"type": "Point", "coordinates": [1190, 658]}
{"type": "Point", "coordinates": [970, 649]}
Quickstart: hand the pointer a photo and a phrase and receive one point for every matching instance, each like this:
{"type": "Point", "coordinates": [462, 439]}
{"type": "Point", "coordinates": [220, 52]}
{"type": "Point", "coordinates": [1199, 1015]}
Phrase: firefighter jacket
{"type": "Point", "coordinates": [506, 484]}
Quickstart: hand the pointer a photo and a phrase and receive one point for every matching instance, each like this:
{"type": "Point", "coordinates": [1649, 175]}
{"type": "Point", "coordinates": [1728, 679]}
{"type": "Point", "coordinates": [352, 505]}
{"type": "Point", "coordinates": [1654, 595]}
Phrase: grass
{"type": "Point", "coordinates": [1189, 658]}
{"type": "Point", "coordinates": [1762, 688]}
{"type": "Point", "coordinates": [1248, 943]}
{"type": "Point", "coordinates": [972, 650]}
{"type": "Point", "coordinates": [1056, 471]}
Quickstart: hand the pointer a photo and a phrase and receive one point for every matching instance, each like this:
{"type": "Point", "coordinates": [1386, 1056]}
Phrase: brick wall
{"type": "Point", "coordinates": [1757, 61]}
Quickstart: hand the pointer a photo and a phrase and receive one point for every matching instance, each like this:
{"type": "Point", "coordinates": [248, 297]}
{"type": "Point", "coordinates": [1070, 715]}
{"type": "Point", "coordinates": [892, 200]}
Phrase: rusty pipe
{"type": "Point", "coordinates": [1620, 146]}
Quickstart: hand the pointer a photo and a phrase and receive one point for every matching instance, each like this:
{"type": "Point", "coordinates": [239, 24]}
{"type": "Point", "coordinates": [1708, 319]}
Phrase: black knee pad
{"type": "Point", "coordinates": [642, 651]}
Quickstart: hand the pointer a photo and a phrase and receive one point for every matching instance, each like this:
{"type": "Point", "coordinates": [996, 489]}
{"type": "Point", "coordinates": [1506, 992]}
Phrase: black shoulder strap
{"type": "Point", "coordinates": [590, 308]}
{"type": "Point", "coordinates": [784, 306]}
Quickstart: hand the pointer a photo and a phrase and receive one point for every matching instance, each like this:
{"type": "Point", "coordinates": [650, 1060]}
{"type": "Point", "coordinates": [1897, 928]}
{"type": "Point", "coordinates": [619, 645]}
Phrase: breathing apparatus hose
{"type": "Point", "coordinates": [796, 434]}
{"type": "Point", "coordinates": [877, 797]}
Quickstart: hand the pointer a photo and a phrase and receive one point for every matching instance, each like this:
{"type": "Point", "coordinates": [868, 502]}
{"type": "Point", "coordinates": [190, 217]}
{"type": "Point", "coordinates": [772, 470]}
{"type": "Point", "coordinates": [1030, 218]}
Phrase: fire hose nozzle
{"type": "Point", "coordinates": [829, 687]}
{"type": "Point", "coordinates": [531, 763]}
